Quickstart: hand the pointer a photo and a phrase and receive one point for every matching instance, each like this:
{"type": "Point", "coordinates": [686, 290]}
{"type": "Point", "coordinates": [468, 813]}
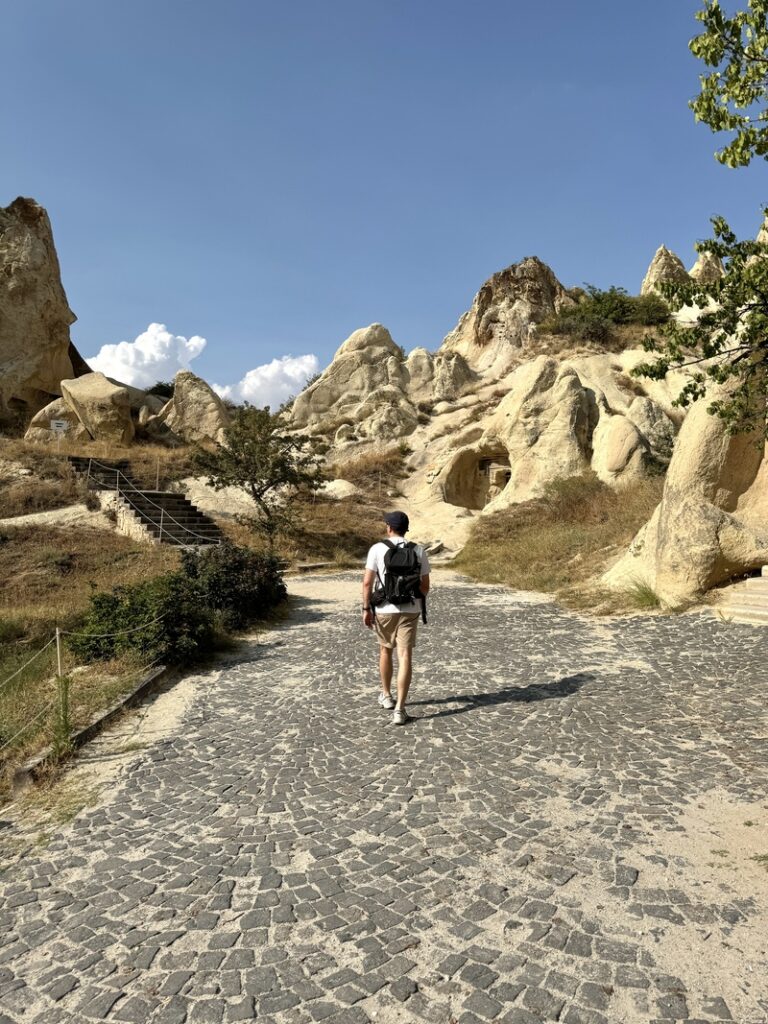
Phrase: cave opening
{"type": "Point", "coordinates": [477, 477]}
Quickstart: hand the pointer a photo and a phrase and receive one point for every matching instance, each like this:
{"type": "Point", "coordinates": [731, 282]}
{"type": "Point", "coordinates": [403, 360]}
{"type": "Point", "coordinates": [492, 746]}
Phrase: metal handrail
{"type": "Point", "coordinates": [163, 512]}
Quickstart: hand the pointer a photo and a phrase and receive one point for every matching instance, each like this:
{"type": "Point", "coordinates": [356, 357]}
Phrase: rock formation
{"type": "Point", "coordinates": [194, 414]}
{"type": "Point", "coordinates": [371, 391]}
{"type": "Point", "coordinates": [707, 269]}
{"type": "Point", "coordinates": [36, 352]}
{"type": "Point", "coordinates": [103, 408]}
{"type": "Point", "coordinates": [711, 523]}
{"type": "Point", "coordinates": [504, 315]}
{"type": "Point", "coordinates": [40, 427]}
{"type": "Point", "coordinates": [665, 267]}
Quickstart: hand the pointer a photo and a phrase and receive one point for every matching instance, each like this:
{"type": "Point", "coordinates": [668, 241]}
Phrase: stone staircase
{"type": "Point", "coordinates": [747, 601]}
{"type": "Point", "coordinates": [101, 475]}
{"type": "Point", "coordinates": [157, 517]}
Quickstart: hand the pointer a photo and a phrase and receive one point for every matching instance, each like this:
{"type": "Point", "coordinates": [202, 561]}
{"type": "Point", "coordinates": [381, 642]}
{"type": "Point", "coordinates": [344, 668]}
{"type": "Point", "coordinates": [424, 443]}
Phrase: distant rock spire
{"type": "Point", "coordinates": [665, 266]}
{"type": "Point", "coordinates": [707, 269]}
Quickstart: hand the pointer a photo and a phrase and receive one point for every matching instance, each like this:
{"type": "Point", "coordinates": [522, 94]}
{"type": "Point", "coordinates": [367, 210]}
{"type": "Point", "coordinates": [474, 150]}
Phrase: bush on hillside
{"type": "Point", "coordinates": [598, 312]}
{"type": "Point", "coordinates": [174, 618]}
{"type": "Point", "coordinates": [242, 584]}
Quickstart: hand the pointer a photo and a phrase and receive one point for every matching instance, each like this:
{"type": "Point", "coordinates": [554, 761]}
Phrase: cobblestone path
{"type": "Point", "coordinates": [564, 833]}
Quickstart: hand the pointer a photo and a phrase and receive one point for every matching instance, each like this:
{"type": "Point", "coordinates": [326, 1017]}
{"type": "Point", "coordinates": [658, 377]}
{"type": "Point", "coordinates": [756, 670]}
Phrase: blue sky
{"type": "Point", "coordinates": [270, 176]}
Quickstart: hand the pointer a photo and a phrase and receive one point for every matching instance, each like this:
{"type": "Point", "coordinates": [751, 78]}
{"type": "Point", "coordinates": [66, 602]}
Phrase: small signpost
{"type": "Point", "coordinates": [59, 429]}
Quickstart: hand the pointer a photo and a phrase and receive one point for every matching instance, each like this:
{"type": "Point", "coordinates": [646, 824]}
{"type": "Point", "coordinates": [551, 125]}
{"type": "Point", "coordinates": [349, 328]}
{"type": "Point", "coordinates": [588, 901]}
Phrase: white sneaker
{"type": "Point", "coordinates": [400, 716]}
{"type": "Point", "coordinates": [386, 701]}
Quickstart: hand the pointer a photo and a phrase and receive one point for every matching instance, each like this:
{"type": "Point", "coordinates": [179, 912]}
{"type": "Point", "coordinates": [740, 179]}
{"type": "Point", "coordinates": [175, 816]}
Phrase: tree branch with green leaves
{"type": "Point", "coordinates": [270, 464]}
{"type": "Point", "coordinates": [726, 341]}
{"type": "Point", "coordinates": [733, 95]}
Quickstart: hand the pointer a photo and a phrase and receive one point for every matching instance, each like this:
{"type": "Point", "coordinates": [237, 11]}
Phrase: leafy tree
{"type": "Point", "coordinates": [727, 343]}
{"type": "Point", "coordinates": [733, 95]}
{"type": "Point", "coordinates": [266, 461]}
{"type": "Point", "coordinates": [163, 388]}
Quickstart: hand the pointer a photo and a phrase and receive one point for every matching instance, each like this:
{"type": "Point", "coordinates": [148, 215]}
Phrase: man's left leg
{"type": "Point", "coordinates": [404, 675]}
{"type": "Point", "coordinates": [406, 641]}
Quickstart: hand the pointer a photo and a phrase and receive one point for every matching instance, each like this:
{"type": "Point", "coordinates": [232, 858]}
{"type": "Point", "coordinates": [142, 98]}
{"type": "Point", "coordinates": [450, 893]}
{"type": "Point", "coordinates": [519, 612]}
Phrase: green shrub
{"type": "Point", "coordinates": [650, 310]}
{"type": "Point", "coordinates": [597, 312]}
{"type": "Point", "coordinates": [242, 584]}
{"type": "Point", "coordinates": [162, 619]}
{"type": "Point", "coordinates": [174, 618]}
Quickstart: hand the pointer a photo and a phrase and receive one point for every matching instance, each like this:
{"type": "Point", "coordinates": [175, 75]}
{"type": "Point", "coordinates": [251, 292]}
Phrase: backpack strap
{"type": "Point", "coordinates": [392, 547]}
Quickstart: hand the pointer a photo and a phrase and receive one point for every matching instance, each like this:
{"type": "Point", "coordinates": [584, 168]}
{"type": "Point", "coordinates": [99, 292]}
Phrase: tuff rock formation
{"type": "Point", "coordinates": [194, 414]}
{"type": "Point", "coordinates": [503, 317]}
{"type": "Point", "coordinates": [103, 408]}
{"type": "Point", "coordinates": [36, 352]}
{"type": "Point", "coordinates": [40, 426]}
{"type": "Point", "coordinates": [712, 521]}
{"type": "Point", "coordinates": [371, 391]}
{"type": "Point", "coordinates": [707, 269]}
{"type": "Point", "coordinates": [665, 267]}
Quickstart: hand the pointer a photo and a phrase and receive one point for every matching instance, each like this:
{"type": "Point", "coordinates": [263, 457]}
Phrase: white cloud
{"type": "Point", "coordinates": [271, 383]}
{"type": "Point", "coordinates": [155, 355]}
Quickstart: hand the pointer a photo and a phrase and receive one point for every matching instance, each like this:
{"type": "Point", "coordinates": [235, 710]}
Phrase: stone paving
{"type": "Point", "coordinates": [517, 853]}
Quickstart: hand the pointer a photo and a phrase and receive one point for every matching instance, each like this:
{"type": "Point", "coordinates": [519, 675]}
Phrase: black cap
{"type": "Point", "coordinates": [398, 521]}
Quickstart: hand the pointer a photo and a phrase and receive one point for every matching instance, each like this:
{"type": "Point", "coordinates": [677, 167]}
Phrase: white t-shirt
{"type": "Point", "coordinates": [375, 562]}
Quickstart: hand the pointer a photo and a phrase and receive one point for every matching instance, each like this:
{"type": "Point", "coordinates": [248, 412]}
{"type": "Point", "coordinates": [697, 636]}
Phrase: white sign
{"type": "Point", "coordinates": [59, 426]}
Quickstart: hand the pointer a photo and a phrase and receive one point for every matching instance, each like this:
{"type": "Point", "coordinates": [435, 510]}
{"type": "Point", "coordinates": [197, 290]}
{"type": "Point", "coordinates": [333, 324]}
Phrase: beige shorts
{"type": "Point", "coordinates": [396, 630]}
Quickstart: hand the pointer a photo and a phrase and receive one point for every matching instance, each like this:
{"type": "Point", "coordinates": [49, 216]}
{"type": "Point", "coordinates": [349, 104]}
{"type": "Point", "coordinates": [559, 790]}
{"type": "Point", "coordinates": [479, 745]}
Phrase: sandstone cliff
{"type": "Point", "coordinates": [36, 351]}
{"type": "Point", "coordinates": [489, 421]}
{"type": "Point", "coordinates": [503, 317]}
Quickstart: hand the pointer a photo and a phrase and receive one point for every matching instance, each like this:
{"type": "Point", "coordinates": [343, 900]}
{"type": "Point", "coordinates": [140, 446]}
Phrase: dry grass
{"type": "Point", "coordinates": [49, 576]}
{"type": "Point", "coordinates": [373, 472]}
{"type": "Point", "coordinates": [622, 337]}
{"type": "Point", "coordinates": [52, 484]}
{"type": "Point", "coordinates": [558, 543]}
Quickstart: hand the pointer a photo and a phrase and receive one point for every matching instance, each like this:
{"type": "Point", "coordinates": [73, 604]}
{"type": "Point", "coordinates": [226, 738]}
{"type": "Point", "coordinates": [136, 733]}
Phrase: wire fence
{"type": "Point", "coordinates": [129, 487]}
{"type": "Point", "coordinates": [62, 702]}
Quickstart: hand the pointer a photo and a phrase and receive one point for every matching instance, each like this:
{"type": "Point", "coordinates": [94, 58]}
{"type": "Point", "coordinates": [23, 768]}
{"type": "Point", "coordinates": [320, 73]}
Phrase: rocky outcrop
{"type": "Point", "coordinates": [707, 269]}
{"type": "Point", "coordinates": [103, 408]}
{"type": "Point", "coordinates": [365, 388]}
{"type": "Point", "coordinates": [194, 414]}
{"type": "Point", "coordinates": [656, 427]}
{"type": "Point", "coordinates": [504, 315]}
{"type": "Point", "coordinates": [40, 426]}
{"type": "Point", "coordinates": [710, 524]}
{"type": "Point", "coordinates": [36, 352]}
{"type": "Point", "coordinates": [666, 267]}
{"type": "Point", "coordinates": [619, 450]}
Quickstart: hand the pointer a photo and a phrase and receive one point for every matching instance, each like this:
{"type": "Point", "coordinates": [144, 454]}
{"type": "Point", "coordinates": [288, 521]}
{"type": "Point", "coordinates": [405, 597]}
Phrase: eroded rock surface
{"type": "Point", "coordinates": [707, 269]}
{"type": "Point", "coordinates": [666, 267]}
{"type": "Point", "coordinates": [504, 315]}
{"type": "Point", "coordinates": [195, 413]}
{"type": "Point", "coordinates": [709, 525]}
{"type": "Point", "coordinates": [40, 426]}
{"type": "Point", "coordinates": [36, 352]}
{"type": "Point", "coordinates": [103, 408]}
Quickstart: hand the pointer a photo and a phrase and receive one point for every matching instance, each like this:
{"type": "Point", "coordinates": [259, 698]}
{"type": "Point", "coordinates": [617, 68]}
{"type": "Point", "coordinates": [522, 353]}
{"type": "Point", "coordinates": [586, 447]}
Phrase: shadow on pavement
{"type": "Point", "coordinates": [508, 695]}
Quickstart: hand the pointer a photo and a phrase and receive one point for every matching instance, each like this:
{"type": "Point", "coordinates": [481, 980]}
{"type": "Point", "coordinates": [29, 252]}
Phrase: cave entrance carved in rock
{"type": "Point", "coordinates": [477, 476]}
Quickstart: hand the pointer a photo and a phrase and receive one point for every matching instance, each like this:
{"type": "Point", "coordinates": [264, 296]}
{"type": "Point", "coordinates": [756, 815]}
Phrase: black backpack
{"type": "Point", "coordinates": [402, 577]}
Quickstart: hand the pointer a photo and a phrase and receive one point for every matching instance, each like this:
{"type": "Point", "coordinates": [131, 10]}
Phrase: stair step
{"type": "Point", "coordinates": [757, 583]}
{"type": "Point", "coordinates": [166, 515]}
{"type": "Point", "coordinates": [747, 600]}
{"type": "Point", "coordinates": [758, 617]}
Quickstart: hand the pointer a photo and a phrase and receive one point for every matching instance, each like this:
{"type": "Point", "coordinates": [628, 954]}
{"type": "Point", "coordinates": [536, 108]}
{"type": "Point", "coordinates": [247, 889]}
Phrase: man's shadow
{"type": "Point", "coordinates": [564, 687]}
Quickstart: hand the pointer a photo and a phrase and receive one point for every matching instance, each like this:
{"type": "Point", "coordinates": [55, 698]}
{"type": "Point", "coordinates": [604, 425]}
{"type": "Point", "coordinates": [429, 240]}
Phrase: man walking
{"type": "Point", "coordinates": [402, 571]}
